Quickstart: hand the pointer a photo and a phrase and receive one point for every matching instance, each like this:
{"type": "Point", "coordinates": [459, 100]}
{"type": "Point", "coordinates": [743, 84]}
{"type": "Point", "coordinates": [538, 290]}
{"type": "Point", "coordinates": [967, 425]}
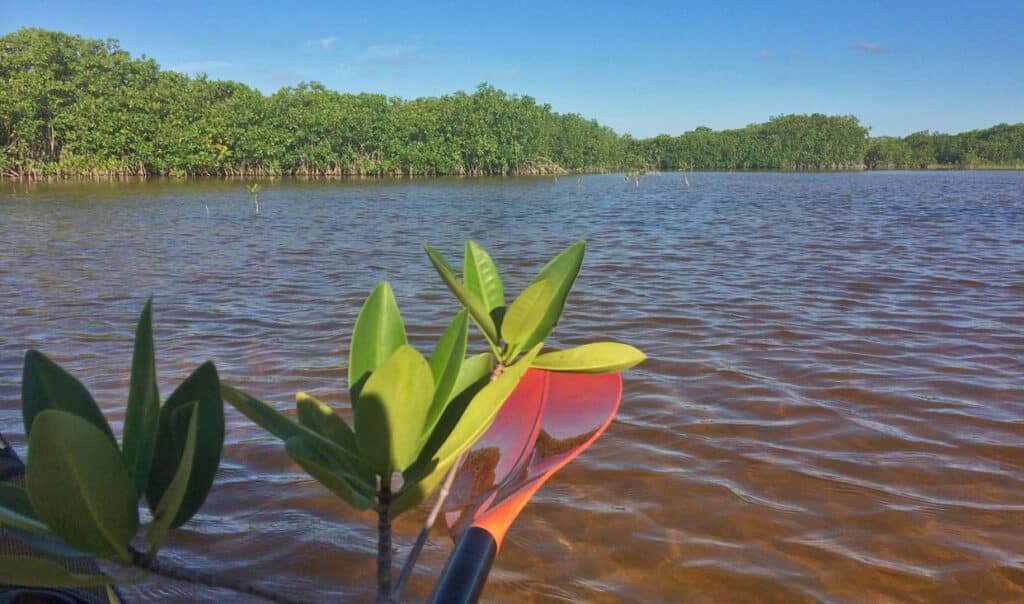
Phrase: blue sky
{"type": "Point", "coordinates": [640, 67]}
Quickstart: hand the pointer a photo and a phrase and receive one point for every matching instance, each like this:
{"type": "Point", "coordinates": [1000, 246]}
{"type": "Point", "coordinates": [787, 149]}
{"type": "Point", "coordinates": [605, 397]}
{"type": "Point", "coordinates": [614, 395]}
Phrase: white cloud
{"type": "Point", "coordinates": [323, 43]}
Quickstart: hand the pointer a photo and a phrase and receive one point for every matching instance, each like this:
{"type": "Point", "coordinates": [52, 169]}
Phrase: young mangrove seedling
{"type": "Point", "coordinates": [82, 486]}
{"type": "Point", "coordinates": [254, 190]}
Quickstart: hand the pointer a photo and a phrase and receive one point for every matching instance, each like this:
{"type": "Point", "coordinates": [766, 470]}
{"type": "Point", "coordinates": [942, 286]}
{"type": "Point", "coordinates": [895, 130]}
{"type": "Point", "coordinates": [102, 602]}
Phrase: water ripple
{"type": "Point", "coordinates": [831, 410]}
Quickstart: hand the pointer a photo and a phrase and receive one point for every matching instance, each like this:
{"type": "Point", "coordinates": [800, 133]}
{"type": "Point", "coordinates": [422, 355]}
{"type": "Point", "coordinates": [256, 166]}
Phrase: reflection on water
{"type": "Point", "coordinates": [832, 408]}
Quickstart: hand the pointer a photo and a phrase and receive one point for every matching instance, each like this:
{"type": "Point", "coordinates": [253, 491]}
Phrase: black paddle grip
{"type": "Point", "coordinates": [466, 573]}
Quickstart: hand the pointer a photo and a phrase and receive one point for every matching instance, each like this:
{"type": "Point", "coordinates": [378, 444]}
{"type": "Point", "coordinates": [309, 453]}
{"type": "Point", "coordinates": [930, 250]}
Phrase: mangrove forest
{"type": "Point", "coordinates": [72, 106]}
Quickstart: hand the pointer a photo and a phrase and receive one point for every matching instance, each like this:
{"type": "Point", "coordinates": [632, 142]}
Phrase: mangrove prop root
{"type": "Point", "coordinates": [191, 575]}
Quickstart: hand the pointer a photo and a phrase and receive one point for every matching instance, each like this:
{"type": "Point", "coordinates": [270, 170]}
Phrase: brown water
{"type": "Point", "coordinates": [832, 410]}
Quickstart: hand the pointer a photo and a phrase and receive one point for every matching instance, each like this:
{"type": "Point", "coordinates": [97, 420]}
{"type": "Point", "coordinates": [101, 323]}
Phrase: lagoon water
{"type": "Point", "coordinates": [832, 411]}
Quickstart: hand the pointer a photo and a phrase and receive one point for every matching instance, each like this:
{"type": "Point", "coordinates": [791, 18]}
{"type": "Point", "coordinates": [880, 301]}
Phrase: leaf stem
{"type": "Point", "coordinates": [383, 540]}
{"type": "Point", "coordinates": [494, 347]}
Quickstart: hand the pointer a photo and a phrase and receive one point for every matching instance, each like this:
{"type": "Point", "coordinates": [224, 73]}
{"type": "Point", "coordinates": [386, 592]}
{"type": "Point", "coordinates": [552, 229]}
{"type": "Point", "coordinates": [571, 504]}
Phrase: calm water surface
{"type": "Point", "coordinates": [832, 410]}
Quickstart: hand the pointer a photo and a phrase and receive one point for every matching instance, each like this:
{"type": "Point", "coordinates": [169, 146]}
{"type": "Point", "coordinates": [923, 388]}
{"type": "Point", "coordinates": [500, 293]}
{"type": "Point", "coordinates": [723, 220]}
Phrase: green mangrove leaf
{"type": "Point", "coordinates": [79, 486]}
{"type": "Point", "coordinates": [524, 316]}
{"type": "Point", "coordinates": [38, 572]}
{"type": "Point", "coordinates": [167, 510]}
{"type": "Point", "coordinates": [283, 428]}
{"type": "Point", "coordinates": [320, 418]}
{"type": "Point", "coordinates": [203, 389]}
{"type": "Point", "coordinates": [599, 357]}
{"type": "Point", "coordinates": [45, 385]}
{"type": "Point", "coordinates": [469, 300]}
{"type": "Point", "coordinates": [445, 365]}
{"type": "Point", "coordinates": [481, 277]}
{"type": "Point", "coordinates": [343, 462]}
{"type": "Point", "coordinates": [143, 414]}
{"type": "Point", "coordinates": [561, 271]}
{"type": "Point", "coordinates": [392, 409]}
{"type": "Point", "coordinates": [466, 421]}
{"type": "Point", "coordinates": [337, 440]}
{"type": "Point", "coordinates": [420, 480]}
{"type": "Point", "coordinates": [310, 459]}
{"type": "Point", "coordinates": [16, 510]}
{"type": "Point", "coordinates": [20, 520]}
{"type": "Point", "coordinates": [378, 332]}
{"type": "Point", "coordinates": [474, 369]}
{"type": "Point", "coordinates": [260, 413]}
{"type": "Point", "coordinates": [483, 408]}
{"type": "Point", "coordinates": [473, 375]}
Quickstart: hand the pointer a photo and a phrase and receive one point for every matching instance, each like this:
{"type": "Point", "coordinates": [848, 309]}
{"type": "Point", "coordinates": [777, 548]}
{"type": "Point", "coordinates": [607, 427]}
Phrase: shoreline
{"type": "Point", "coordinates": [122, 177]}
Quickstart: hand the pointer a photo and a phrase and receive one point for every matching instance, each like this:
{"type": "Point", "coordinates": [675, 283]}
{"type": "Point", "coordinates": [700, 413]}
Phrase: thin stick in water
{"type": "Point", "coordinates": [442, 495]}
{"type": "Point", "coordinates": [421, 539]}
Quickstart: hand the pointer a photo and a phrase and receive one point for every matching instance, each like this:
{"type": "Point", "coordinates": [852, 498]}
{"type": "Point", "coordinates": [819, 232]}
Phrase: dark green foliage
{"type": "Point", "coordinates": [820, 142]}
{"type": "Point", "coordinates": [75, 106]}
{"type": "Point", "coordinates": [143, 412]}
{"type": "Point", "coordinates": [1000, 145]}
{"type": "Point", "coordinates": [203, 388]}
{"type": "Point", "coordinates": [82, 489]}
{"type": "Point", "coordinates": [45, 385]}
{"type": "Point", "coordinates": [79, 487]}
{"type": "Point", "coordinates": [72, 106]}
{"type": "Point", "coordinates": [788, 142]}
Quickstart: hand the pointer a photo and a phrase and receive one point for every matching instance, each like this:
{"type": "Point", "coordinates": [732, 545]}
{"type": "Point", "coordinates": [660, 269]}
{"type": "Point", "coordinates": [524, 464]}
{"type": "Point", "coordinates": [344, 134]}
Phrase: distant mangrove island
{"type": "Point", "coordinates": [78, 107]}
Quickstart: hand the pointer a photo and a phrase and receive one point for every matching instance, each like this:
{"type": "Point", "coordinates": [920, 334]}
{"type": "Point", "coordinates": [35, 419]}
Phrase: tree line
{"type": "Point", "coordinates": [999, 146]}
{"type": "Point", "coordinates": [72, 106]}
